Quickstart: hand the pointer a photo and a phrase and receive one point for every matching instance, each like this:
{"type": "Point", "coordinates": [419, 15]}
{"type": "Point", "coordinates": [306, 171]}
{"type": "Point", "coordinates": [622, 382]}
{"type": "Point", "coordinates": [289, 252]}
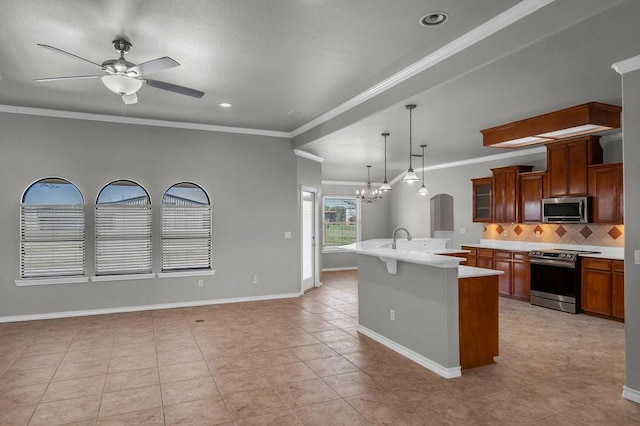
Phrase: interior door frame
{"type": "Point", "coordinates": [316, 230]}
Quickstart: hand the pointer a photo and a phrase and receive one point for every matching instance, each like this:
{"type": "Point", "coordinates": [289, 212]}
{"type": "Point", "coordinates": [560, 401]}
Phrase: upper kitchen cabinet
{"type": "Point", "coordinates": [481, 199]}
{"type": "Point", "coordinates": [605, 186]}
{"type": "Point", "coordinates": [567, 165]}
{"type": "Point", "coordinates": [531, 194]}
{"type": "Point", "coordinates": [506, 193]}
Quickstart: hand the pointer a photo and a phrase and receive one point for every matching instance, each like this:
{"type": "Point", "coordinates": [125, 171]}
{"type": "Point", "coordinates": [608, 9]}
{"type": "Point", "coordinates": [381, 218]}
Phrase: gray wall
{"type": "Point", "coordinates": [631, 154]}
{"type": "Point", "coordinates": [250, 179]}
{"type": "Point", "coordinates": [374, 224]}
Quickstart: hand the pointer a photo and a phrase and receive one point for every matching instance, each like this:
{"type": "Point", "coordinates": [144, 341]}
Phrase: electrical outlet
{"type": "Point", "coordinates": [636, 257]}
{"type": "Point", "coordinates": [504, 233]}
{"type": "Point", "coordinates": [537, 234]}
{"type": "Point", "coordinates": [254, 279]}
{"type": "Point", "coordinates": [463, 230]}
{"type": "Point", "coordinates": [200, 283]}
{"type": "Point", "coordinates": [392, 315]}
{"type": "Point", "coordinates": [287, 234]}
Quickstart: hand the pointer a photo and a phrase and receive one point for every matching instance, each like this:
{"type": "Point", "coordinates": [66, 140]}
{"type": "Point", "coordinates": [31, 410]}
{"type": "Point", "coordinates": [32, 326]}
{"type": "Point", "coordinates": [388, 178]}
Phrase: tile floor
{"type": "Point", "coordinates": [301, 361]}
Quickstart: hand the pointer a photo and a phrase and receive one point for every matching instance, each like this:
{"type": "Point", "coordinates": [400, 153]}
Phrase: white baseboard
{"type": "Point", "coordinates": [345, 268]}
{"type": "Point", "coordinates": [105, 311]}
{"type": "Point", "coordinates": [447, 373]}
{"type": "Point", "coordinates": [631, 394]}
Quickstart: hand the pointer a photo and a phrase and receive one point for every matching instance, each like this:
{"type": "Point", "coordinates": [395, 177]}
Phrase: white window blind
{"type": "Point", "coordinates": [186, 237]}
{"type": "Point", "coordinates": [51, 240]}
{"type": "Point", "coordinates": [123, 239]}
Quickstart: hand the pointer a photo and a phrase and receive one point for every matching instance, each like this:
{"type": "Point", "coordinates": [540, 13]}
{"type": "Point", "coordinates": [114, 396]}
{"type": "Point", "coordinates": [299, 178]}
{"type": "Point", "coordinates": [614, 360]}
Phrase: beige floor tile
{"type": "Point", "coordinates": [147, 417]}
{"type": "Point", "coordinates": [180, 356]}
{"type": "Point", "coordinates": [330, 335]}
{"type": "Point", "coordinates": [320, 350]}
{"type": "Point", "coordinates": [22, 395]}
{"type": "Point", "coordinates": [254, 403]}
{"type": "Point", "coordinates": [210, 411]}
{"type": "Point", "coordinates": [66, 411]}
{"type": "Point", "coordinates": [144, 348]}
{"type": "Point", "coordinates": [189, 390]}
{"type": "Point", "coordinates": [335, 412]}
{"type": "Point", "coordinates": [133, 338]}
{"type": "Point", "coordinates": [351, 384]}
{"type": "Point", "coordinates": [74, 388]}
{"type": "Point", "coordinates": [91, 343]}
{"type": "Point", "coordinates": [47, 348]}
{"type": "Point", "coordinates": [183, 371]}
{"type": "Point", "coordinates": [331, 366]}
{"type": "Point", "coordinates": [132, 379]}
{"type": "Point", "coordinates": [26, 377]}
{"type": "Point", "coordinates": [130, 400]}
{"type": "Point", "coordinates": [87, 355]}
{"type": "Point", "coordinates": [128, 363]}
{"type": "Point", "coordinates": [29, 361]}
{"type": "Point", "coordinates": [298, 394]}
{"type": "Point", "coordinates": [279, 357]}
{"type": "Point", "coordinates": [16, 416]}
{"type": "Point", "coordinates": [285, 418]}
{"type": "Point", "coordinates": [228, 364]}
{"type": "Point", "coordinates": [288, 373]}
{"type": "Point", "coordinates": [81, 369]}
{"type": "Point", "coordinates": [240, 381]}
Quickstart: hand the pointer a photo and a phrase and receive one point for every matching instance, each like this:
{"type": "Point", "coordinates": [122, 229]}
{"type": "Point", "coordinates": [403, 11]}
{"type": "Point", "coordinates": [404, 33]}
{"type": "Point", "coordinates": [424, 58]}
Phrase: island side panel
{"type": "Point", "coordinates": [425, 301]}
{"type": "Point", "coordinates": [478, 301]}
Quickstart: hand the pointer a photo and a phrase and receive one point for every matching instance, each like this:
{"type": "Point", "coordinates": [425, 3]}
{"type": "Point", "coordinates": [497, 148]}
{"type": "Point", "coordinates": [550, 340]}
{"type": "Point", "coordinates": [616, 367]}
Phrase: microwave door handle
{"type": "Point", "coordinates": [581, 209]}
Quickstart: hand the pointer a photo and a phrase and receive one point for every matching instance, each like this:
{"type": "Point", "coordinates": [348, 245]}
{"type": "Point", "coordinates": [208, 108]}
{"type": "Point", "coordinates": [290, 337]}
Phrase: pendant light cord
{"type": "Point", "coordinates": [385, 158]}
{"type": "Point", "coordinates": [410, 140]}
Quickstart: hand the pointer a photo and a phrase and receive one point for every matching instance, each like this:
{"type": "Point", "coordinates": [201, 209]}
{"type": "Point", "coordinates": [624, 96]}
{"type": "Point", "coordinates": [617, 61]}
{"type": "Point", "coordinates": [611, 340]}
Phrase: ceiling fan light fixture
{"type": "Point", "coordinates": [121, 84]}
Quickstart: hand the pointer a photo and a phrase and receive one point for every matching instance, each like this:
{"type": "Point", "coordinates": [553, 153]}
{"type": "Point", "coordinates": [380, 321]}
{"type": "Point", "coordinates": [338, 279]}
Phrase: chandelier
{"type": "Point", "coordinates": [368, 194]}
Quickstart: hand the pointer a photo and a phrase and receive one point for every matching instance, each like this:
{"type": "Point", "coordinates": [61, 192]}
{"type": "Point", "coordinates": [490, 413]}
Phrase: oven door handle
{"type": "Point", "coordinates": [552, 262]}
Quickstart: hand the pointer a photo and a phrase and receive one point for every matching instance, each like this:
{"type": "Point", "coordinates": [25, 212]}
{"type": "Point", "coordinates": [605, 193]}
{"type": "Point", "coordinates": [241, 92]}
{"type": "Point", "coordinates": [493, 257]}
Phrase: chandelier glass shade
{"type": "Point", "coordinates": [368, 194]}
{"type": "Point", "coordinates": [410, 176]}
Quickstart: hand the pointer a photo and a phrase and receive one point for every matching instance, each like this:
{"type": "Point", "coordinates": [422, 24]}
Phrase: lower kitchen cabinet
{"type": "Point", "coordinates": [603, 287]}
{"type": "Point", "coordinates": [484, 258]}
{"type": "Point", "coordinates": [516, 280]}
{"type": "Point", "coordinates": [471, 256]}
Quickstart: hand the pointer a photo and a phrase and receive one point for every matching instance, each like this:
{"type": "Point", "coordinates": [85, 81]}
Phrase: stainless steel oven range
{"type": "Point", "coordinates": [555, 279]}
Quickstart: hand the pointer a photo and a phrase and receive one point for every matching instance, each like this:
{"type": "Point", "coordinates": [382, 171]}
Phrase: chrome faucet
{"type": "Point", "coordinates": [395, 237]}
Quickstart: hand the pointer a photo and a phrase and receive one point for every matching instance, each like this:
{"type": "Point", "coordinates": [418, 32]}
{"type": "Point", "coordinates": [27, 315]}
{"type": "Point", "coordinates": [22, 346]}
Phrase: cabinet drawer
{"type": "Point", "coordinates": [601, 264]}
{"type": "Point", "coordinates": [521, 256]}
{"type": "Point", "coordinates": [502, 254]}
{"type": "Point", "coordinates": [483, 252]}
{"type": "Point", "coordinates": [472, 250]}
{"type": "Point", "coordinates": [618, 266]}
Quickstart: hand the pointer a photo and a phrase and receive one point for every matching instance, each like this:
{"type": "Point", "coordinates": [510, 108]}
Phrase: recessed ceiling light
{"type": "Point", "coordinates": [224, 105]}
{"type": "Point", "coordinates": [433, 19]}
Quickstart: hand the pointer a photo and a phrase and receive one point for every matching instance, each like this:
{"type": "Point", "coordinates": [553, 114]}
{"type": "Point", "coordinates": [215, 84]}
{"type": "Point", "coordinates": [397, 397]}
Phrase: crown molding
{"type": "Point", "coordinates": [344, 183]}
{"type": "Point", "coordinates": [308, 155]}
{"type": "Point", "coordinates": [140, 121]}
{"type": "Point", "coordinates": [487, 158]}
{"type": "Point", "coordinates": [492, 26]}
{"type": "Point", "coordinates": [627, 65]}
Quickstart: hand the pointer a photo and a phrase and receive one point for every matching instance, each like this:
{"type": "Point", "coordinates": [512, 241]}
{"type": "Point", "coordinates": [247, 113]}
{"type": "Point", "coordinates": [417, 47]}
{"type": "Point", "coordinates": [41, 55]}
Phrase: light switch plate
{"type": "Point", "coordinates": [287, 234]}
{"type": "Point", "coordinates": [636, 257]}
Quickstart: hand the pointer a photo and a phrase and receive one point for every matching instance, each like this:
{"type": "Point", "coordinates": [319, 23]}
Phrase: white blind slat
{"type": "Point", "coordinates": [186, 237]}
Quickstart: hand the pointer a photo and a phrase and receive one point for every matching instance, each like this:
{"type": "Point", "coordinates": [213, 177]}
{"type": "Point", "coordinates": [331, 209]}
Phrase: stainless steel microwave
{"type": "Point", "coordinates": [566, 210]}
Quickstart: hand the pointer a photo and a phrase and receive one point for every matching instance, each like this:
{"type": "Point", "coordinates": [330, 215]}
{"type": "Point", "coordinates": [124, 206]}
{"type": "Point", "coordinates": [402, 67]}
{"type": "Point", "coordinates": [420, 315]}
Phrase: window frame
{"type": "Point", "coordinates": [333, 248]}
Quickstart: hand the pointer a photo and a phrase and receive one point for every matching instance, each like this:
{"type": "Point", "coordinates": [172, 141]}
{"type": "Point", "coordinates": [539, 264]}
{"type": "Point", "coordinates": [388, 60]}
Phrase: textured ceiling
{"type": "Point", "coordinates": [271, 57]}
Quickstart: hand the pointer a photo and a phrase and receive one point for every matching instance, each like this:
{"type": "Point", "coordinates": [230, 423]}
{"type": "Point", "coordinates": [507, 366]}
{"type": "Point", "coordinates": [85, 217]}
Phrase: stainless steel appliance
{"type": "Point", "coordinates": [566, 210]}
{"type": "Point", "coordinates": [555, 279]}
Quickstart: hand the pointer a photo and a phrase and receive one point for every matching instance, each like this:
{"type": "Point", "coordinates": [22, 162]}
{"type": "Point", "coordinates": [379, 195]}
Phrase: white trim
{"type": "Point", "coordinates": [495, 157]}
{"type": "Point", "coordinates": [342, 182]}
{"type": "Point", "coordinates": [627, 65]}
{"type": "Point", "coordinates": [310, 189]}
{"type": "Point", "coordinates": [49, 281]}
{"type": "Point", "coordinates": [344, 268]}
{"type": "Point", "coordinates": [105, 311]}
{"type": "Point", "coordinates": [124, 277]}
{"type": "Point", "coordinates": [308, 155]}
{"type": "Point", "coordinates": [447, 373]}
{"type": "Point", "coordinates": [631, 394]}
{"type": "Point", "coordinates": [177, 274]}
{"type": "Point", "coordinates": [334, 249]}
{"type": "Point", "coordinates": [140, 121]}
{"type": "Point", "coordinates": [492, 26]}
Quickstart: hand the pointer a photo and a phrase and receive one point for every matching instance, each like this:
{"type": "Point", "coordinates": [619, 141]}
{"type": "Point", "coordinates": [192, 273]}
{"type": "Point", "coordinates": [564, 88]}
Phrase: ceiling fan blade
{"type": "Point", "coordinates": [55, 49]}
{"type": "Point", "coordinates": [130, 99]}
{"type": "Point", "coordinates": [71, 77]}
{"type": "Point", "coordinates": [154, 65]}
{"type": "Point", "coordinates": [174, 88]}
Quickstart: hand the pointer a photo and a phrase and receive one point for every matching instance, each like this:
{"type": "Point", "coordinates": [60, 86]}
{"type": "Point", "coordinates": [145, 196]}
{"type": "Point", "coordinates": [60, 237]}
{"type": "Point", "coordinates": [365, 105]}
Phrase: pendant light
{"type": "Point", "coordinates": [410, 176]}
{"type": "Point", "coordinates": [385, 185]}
{"type": "Point", "coordinates": [369, 195]}
{"type": "Point", "coordinates": [423, 189]}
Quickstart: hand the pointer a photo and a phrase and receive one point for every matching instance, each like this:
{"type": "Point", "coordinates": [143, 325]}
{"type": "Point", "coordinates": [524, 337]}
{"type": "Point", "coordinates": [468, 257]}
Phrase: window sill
{"type": "Point", "coordinates": [50, 281]}
{"type": "Point", "coordinates": [333, 249]}
{"type": "Point", "coordinates": [175, 274]}
{"type": "Point", "coordinates": [128, 277]}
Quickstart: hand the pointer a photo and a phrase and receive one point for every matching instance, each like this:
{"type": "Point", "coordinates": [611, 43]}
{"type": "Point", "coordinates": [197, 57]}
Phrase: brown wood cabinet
{"type": "Point", "coordinates": [471, 256]}
{"type": "Point", "coordinates": [605, 186]}
{"type": "Point", "coordinates": [531, 194]}
{"type": "Point", "coordinates": [506, 193]}
{"type": "Point", "coordinates": [484, 258]}
{"type": "Point", "coordinates": [567, 163]}
{"type": "Point", "coordinates": [600, 295]}
{"type": "Point", "coordinates": [481, 190]}
{"type": "Point", "coordinates": [516, 280]}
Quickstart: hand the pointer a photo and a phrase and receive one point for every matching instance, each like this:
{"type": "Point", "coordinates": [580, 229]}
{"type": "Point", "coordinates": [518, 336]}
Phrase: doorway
{"type": "Point", "coordinates": [442, 218]}
{"type": "Point", "coordinates": [309, 245]}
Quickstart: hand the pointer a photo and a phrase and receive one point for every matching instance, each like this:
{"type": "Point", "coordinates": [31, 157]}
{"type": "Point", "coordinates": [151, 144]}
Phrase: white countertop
{"type": "Point", "coordinates": [615, 253]}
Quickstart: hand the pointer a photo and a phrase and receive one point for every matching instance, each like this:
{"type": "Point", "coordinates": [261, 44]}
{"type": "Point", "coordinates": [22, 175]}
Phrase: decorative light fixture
{"type": "Point", "coordinates": [433, 19]}
{"type": "Point", "coordinates": [368, 194]}
{"type": "Point", "coordinates": [123, 85]}
{"type": "Point", "coordinates": [423, 189]}
{"type": "Point", "coordinates": [385, 185]}
{"type": "Point", "coordinates": [579, 120]}
{"type": "Point", "coordinates": [410, 176]}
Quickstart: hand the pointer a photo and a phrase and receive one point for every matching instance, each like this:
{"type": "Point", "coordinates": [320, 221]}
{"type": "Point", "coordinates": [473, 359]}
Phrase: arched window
{"type": "Point", "coordinates": [51, 230]}
{"type": "Point", "coordinates": [186, 228]}
{"type": "Point", "coordinates": [123, 229]}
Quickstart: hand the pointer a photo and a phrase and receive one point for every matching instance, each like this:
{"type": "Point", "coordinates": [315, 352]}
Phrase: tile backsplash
{"type": "Point", "coordinates": [590, 234]}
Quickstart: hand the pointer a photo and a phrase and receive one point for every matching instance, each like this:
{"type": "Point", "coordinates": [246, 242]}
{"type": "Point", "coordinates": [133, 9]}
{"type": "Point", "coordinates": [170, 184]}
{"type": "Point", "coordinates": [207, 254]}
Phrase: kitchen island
{"type": "Point", "coordinates": [419, 302]}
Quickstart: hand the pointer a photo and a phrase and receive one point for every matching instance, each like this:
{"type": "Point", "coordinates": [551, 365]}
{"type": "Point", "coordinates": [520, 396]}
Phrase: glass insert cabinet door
{"type": "Point", "coordinates": [481, 199]}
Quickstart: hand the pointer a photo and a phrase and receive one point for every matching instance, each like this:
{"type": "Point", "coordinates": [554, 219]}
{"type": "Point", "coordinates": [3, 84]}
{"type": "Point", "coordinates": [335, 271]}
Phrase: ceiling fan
{"type": "Point", "coordinates": [126, 78]}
